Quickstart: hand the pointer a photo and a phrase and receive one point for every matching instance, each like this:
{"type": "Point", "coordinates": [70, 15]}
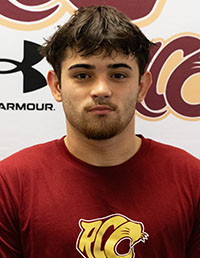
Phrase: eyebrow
{"type": "Point", "coordinates": [86, 66]}
{"type": "Point", "coordinates": [110, 66]}
{"type": "Point", "coordinates": [115, 66]}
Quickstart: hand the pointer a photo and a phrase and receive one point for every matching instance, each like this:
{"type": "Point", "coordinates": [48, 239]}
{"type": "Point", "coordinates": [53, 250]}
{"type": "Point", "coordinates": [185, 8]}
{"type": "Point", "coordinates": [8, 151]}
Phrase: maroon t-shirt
{"type": "Point", "coordinates": [55, 205]}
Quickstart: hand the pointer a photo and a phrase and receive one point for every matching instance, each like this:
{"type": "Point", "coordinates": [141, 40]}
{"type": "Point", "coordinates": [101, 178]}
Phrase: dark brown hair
{"type": "Point", "coordinates": [93, 29]}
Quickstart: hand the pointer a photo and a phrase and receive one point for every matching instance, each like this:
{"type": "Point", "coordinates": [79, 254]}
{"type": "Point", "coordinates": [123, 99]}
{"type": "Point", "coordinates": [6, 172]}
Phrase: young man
{"type": "Point", "coordinates": [101, 191]}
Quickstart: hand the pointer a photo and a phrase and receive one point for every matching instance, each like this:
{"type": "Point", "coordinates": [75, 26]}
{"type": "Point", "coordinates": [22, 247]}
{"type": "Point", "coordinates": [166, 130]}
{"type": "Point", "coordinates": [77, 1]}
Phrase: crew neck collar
{"type": "Point", "coordinates": [139, 155]}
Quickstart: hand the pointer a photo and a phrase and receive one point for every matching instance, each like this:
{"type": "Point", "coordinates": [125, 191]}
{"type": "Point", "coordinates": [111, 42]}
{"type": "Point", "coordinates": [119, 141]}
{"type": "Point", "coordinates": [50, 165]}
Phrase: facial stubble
{"type": "Point", "coordinates": [100, 127]}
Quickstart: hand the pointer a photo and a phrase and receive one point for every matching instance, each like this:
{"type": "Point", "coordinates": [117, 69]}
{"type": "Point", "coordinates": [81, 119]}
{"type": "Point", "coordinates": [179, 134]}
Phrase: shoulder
{"type": "Point", "coordinates": [166, 151]}
{"type": "Point", "coordinates": [172, 158]}
{"type": "Point", "coordinates": [28, 152]}
{"type": "Point", "coordinates": [173, 166]}
{"type": "Point", "coordinates": [29, 158]}
{"type": "Point", "coordinates": [169, 158]}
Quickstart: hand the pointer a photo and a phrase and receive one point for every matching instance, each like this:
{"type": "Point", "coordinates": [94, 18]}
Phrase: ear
{"type": "Point", "coordinates": [54, 85]}
{"type": "Point", "coordinates": [145, 83]}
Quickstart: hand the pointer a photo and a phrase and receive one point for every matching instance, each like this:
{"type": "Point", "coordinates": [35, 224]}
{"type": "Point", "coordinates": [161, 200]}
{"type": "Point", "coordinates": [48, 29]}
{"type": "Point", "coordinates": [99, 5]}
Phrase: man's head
{"type": "Point", "coordinates": [94, 30]}
{"type": "Point", "coordinates": [99, 59]}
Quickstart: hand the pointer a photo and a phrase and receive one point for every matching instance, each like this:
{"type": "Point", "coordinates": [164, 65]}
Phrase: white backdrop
{"type": "Point", "coordinates": [167, 22]}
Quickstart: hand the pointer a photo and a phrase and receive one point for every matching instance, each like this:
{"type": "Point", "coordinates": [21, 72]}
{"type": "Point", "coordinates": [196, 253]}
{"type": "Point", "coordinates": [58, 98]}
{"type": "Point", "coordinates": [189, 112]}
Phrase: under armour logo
{"type": "Point", "coordinates": [33, 79]}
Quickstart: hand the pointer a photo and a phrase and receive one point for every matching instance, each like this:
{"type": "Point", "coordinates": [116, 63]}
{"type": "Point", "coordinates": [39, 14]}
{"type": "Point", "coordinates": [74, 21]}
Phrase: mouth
{"type": "Point", "coordinates": [101, 109]}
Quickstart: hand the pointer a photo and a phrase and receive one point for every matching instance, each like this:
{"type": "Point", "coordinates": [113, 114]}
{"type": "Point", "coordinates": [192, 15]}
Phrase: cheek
{"type": "Point", "coordinates": [67, 99]}
{"type": "Point", "coordinates": [72, 102]}
{"type": "Point", "coordinates": [131, 99]}
{"type": "Point", "coordinates": [130, 95]}
{"type": "Point", "coordinates": [134, 91]}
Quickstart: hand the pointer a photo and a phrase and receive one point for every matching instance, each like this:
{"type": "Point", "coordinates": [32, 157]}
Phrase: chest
{"type": "Point", "coordinates": [105, 216]}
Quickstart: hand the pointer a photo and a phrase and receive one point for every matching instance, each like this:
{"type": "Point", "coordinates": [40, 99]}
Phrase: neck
{"type": "Point", "coordinates": [110, 152]}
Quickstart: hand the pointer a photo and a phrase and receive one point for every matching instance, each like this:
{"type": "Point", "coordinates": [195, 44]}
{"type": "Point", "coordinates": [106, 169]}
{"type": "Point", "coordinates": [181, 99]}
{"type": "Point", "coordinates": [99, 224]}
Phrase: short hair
{"type": "Point", "coordinates": [93, 29]}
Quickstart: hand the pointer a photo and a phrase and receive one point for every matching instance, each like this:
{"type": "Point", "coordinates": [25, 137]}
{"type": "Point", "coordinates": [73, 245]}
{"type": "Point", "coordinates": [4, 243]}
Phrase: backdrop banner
{"type": "Point", "coordinates": [170, 112]}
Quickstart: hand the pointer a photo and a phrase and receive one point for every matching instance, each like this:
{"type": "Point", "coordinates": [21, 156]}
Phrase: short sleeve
{"type": "Point", "coordinates": [193, 247]}
{"type": "Point", "coordinates": [9, 224]}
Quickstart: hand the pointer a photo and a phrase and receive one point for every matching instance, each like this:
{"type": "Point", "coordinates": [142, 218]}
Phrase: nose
{"type": "Point", "coordinates": [101, 89]}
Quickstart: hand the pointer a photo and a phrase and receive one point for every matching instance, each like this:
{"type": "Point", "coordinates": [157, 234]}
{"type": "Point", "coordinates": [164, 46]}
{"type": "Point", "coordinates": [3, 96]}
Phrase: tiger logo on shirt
{"type": "Point", "coordinates": [110, 237]}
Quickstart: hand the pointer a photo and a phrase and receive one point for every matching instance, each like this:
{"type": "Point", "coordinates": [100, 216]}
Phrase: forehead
{"type": "Point", "coordinates": [101, 57]}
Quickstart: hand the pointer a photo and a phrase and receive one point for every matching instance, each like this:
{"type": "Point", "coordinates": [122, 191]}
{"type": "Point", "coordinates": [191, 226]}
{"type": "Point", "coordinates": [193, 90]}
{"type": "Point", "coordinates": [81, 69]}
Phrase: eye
{"type": "Point", "coordinates": [82, 76]}
{"type": "Point", "coordinates": [118, 76]}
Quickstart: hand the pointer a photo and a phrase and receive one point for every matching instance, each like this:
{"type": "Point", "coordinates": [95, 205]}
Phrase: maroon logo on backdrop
{"type": "Point", "coordinates": [133, 9]}
{"type": "Point", "coordinates": [156, 105]}
{"type": "Point", "coordinates": [14, 12]}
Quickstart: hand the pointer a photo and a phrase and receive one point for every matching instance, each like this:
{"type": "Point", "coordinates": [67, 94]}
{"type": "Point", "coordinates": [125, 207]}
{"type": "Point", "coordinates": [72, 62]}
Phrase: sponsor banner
{"type": "Point", "coordinates": [170, 112]}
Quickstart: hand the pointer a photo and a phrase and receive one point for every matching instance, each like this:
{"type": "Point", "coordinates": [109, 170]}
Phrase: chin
{"type": "Point", "coordinates": [101, 135]}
